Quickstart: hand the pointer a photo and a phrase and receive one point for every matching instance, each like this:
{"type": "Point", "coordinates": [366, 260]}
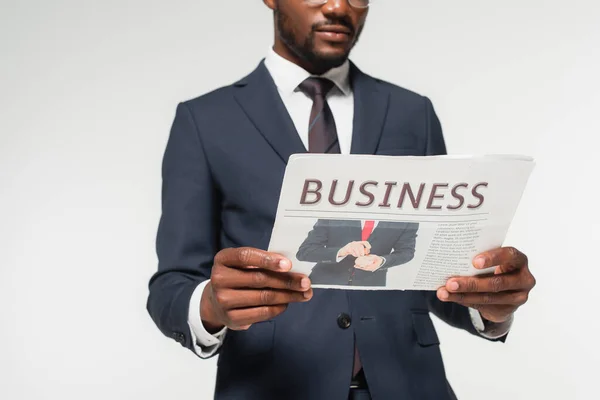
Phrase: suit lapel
{"type": "Point", "coordinates": [258, 97]}
{"type": "Point", "coordinates": [261, 102]}
{"type": "Point", "coordinates": [355, 229]}
{"type": "Point", "coordinates": [381, 229]}
{"type": "Point", "coordinates": [370, 110]}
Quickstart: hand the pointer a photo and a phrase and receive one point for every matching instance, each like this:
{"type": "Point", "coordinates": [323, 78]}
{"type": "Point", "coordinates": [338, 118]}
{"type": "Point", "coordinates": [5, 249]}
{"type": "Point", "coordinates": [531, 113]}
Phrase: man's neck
{"type": "Point", "coordinates": [283, 51]}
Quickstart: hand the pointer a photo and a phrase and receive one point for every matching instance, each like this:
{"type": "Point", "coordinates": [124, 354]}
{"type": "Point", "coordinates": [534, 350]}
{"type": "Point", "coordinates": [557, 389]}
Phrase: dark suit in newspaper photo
{"type": "Point", "coordinates": [357, 252]}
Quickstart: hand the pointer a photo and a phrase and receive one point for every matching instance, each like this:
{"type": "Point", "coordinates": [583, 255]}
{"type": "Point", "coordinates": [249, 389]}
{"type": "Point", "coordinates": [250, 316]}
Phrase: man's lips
{"type": "Point", "coordinates": [335, 29]}
{"type": "Point", "coordinates": [335, 33]}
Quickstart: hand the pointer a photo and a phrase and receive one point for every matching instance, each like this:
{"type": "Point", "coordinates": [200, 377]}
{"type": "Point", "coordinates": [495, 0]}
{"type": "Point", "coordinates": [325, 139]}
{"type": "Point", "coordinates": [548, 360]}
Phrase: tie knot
{"type": "Point", "coordinates": [314, 87]}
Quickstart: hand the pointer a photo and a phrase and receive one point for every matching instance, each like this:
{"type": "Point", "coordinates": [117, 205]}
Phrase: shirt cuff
{"type": "Point", "coordinates": [205, 344]}
{"type": "Point", "coordinates": [491, 330]}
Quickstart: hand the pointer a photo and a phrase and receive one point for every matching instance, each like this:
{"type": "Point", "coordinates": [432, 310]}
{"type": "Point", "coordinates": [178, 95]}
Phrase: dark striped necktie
{"type": "Point", "coordinates": [322, 133]}
{"type": "Point", "coordinates": [322, 138]}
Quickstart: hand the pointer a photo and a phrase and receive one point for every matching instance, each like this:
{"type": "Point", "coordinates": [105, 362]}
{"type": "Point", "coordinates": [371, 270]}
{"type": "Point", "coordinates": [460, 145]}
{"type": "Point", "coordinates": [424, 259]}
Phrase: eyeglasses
{"type": "Point", "coordinates": [353, 3]}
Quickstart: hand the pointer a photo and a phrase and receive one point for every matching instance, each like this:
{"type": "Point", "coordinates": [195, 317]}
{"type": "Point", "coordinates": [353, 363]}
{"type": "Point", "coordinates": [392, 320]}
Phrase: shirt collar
{"type": "Point", "coordinates": [287, 75]}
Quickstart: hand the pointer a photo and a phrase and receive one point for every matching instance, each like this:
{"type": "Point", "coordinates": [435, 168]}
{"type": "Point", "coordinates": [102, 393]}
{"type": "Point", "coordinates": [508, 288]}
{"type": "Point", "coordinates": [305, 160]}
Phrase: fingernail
{"type": "Point", "coordinates": [453, 285]}
{"type": "Point", "coordinates": [479, 262]}
{"type": "Point", "coordinates": [284, 265]}
{"type": "Point", "coordinates": [443, 294]}
{"type": "Point", "coordinates": [307, 295]}
{"type": "Point", "coordinates": [305, 283]}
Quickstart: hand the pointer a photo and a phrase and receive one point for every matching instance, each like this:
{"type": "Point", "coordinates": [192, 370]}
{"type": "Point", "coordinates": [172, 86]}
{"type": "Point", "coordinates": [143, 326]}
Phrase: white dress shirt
{"type": "Point", "coordinates": [287, 76]}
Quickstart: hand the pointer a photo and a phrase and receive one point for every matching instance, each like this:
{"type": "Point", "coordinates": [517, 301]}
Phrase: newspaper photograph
{"type": "Point", "coordinates": [394, 223]}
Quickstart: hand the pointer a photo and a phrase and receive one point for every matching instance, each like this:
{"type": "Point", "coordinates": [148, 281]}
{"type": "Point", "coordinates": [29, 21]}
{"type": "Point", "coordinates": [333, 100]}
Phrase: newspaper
{"type": "Point", "coordinates": [394, 222]}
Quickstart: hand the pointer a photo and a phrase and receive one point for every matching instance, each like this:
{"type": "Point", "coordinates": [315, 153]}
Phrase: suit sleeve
{"type": "Point", "coordinates": [453, 314]}
{"type": "Point", "coordinates": [404, 248]}
{"type": "Point", "coordinates": [436, 144]}
{"type": "Point", "coordinates": [315, 248]}
{"type": "Point", "coordinates": [187, 237]}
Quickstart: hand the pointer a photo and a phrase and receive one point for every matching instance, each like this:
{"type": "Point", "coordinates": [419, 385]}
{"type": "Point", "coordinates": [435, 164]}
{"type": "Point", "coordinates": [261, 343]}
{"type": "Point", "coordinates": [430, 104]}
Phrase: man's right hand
{"type": "Point", "coordinates": [249, 285]}
{"type": "Point", "coordinates": [356, 249]}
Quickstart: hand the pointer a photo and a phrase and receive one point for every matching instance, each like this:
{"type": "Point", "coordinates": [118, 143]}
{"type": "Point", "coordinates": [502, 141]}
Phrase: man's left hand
{"type": "Point", "coordinates": [495, 296]}
{"type": "Point", "coordinates": [369, 263]}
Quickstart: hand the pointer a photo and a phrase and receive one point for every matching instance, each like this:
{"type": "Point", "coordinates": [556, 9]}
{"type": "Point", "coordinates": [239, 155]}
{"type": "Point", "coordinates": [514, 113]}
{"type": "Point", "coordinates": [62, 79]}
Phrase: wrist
{"type": "Point", "coordinates": [207, 314]}
{"type": "Point", "coordinates": [492, 319]}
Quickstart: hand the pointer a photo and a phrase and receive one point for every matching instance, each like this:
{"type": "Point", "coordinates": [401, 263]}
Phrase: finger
{"type": "Point", "coordinates": [360, 250]}
{"type": "Point", "coordinates": [242, 317]}
{"type": "Point", "coordinates": [259, 279]}
{"type": "Point", "coordinates": [242, 327]}
{"type": "Point", "coordinates": [515, 298]}
{"type": "Point", "coordinates": [230, 298]}
{"type": "Point", "coordinates": [355, 250]}
{"type": "Point", "coordinates": [487, 283]}
{"type": "Point", "coordinates": [248, 257]}
{"type": "Point", "coordinates": [509, 257]}
{"type": "Point", "coordinates": [366, 244]}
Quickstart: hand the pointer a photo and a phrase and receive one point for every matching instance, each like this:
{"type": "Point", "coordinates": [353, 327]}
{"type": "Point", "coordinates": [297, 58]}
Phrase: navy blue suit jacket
{"type": "Point", "coordinates": [222, 173]}
{"type": "Point", "coordinates": [395, 241]}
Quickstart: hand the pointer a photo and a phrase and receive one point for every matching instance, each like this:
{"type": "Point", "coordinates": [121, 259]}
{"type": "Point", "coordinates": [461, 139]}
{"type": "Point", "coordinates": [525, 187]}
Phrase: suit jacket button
{"type": "Point", "coordinates": [344, 321]}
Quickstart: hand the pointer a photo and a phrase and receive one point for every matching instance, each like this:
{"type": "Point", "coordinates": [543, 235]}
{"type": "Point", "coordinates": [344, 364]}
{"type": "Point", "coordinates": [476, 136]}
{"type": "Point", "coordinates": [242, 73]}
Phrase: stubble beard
{"type": "Point", "coordinates": [305, 50]}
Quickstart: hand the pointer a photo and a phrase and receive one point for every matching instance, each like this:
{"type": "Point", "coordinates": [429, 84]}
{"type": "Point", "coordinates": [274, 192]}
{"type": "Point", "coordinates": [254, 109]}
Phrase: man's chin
{"type": "Point", "coordinates": [328, 59]}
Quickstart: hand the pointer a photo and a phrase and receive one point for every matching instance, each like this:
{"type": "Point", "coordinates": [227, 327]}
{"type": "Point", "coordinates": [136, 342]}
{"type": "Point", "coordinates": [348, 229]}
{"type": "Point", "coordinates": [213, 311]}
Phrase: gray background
{"type": "Point", "coordinates": [88, 91]}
